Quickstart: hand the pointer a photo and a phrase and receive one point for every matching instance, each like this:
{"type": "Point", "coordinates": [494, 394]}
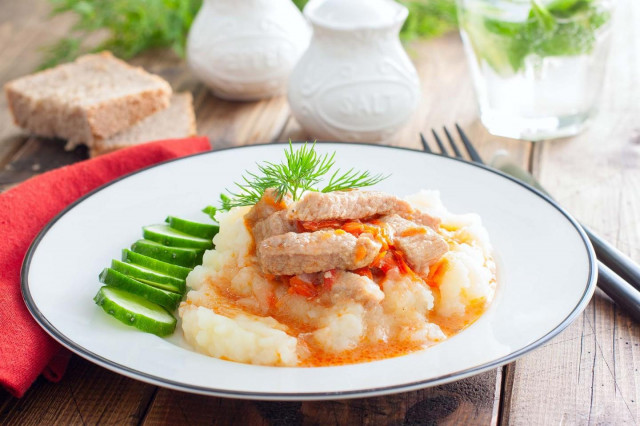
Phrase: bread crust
{"type": "Point", "coordinates": [183, 124]}
{"type": "Point", "coordinates": [36, 103]}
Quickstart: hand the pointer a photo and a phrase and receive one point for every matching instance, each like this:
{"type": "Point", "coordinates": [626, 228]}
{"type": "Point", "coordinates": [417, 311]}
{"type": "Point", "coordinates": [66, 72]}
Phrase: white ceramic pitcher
{"type": "Point", "coordinates": [246, 49]}
{"type": "Point", "coordinates": [355, 82]}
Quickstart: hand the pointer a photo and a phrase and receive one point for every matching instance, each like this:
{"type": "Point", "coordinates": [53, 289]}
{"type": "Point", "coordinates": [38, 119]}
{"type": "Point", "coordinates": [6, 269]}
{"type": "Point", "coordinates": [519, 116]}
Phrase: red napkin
{"type": "Point", "coordinates": [25, 349]}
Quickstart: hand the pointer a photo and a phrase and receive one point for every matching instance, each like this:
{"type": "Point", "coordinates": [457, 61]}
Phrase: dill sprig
{"type": "Point", "coordinates": [302, 170]}
{"type": "Point", "coordinates": [352, 179]}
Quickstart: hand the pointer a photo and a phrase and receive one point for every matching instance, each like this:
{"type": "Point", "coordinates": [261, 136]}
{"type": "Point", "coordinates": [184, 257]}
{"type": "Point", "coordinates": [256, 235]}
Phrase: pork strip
{"type": "Point", "coordinates": [309, 252]}
{"type": "Point", "coordinates": [267, 205]}
{"type": "Point", "coordinates": [342, 205]}
{"type": "Point", "coordinates": [422, 218]}
{"type": "Point", "coordinates": [421, 245]}
{"type": "Point", "coordinates": [275, 224]}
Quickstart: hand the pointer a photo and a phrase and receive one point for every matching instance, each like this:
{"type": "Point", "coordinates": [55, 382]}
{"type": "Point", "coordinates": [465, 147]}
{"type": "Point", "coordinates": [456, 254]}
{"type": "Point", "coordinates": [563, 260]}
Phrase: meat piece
{"type": "Point", "coordinates": [293, 254]}
{"type": "Point", "coordinates": [268, 216]}
{"type": "Point", "coordinates": [276, 224]}
{"type": "Point", "coordinates": [422, 218]}
{"type": "Point", "coordinates": [355, 287]}
{"type": "Point", "coordinates": [341, 205]}
{"type": "Point", "coordinates": [267, 205]}
{"type": "Point", "coordinates": [421, 245]}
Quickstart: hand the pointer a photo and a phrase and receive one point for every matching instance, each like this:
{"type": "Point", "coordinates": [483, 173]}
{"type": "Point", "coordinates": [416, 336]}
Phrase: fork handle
{"type": "Point", "coordinates": [620, 291]}
{"type": "Point", "coordinates": [615, 259]}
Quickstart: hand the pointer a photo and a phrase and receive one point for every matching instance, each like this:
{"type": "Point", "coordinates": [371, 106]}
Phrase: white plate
{"type": "Point", "coordinates": [546, 275]}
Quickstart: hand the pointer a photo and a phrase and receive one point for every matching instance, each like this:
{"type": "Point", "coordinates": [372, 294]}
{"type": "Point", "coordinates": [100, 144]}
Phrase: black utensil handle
{"type": "Point", "coordinates": [615, 259]}
{"type": "Point", "coordinates": [622, 293]}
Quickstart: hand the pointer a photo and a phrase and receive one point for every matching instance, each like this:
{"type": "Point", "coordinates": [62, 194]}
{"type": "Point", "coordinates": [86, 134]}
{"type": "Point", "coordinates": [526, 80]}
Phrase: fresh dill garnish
{"type": "Point", "coordinates": [352, 179]}
{"type": "Point", "coordinates": [302, 170]}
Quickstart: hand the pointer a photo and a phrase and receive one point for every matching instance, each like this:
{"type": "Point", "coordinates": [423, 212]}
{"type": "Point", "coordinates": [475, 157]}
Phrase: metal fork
{"type": "Point", "coordinates": [624, 293]}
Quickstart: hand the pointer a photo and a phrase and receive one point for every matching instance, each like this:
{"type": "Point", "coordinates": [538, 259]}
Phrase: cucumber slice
{"type": "Point", "coordinates": [165, 268]}
{"type": "Point", "coordinates": [168, 236]}
{"type": "Point", "coordinates": [150, 277]}
{"type": "Point", "coordinates": [197, 229]}
{"type": "Point", "coordinates": [135, 311]}
{"type": "Point", "coordinates": [188, 257]}
{"type": "Point", "coordinates": [164, 298]}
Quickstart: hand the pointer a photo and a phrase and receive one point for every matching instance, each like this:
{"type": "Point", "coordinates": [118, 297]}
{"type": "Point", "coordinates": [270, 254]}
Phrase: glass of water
{"type": "Point", "coordinates": [537, 65]}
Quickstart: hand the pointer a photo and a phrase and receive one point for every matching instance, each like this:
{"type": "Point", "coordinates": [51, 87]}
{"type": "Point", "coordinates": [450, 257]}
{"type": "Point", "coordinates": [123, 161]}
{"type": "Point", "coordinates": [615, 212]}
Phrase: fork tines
{"type": "Point", "coordinates": [471, 151]}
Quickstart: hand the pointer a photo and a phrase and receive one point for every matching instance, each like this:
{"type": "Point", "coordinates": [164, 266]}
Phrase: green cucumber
{"type": "Point", "coordinates": [165, 268]}
{"type": "Point", "coordinates": [188, 257]}
{"type": "Point", "coordinates": [197, 229]}
{"type": "Point", "coordinates": [150, 277]}
{"type": "Point", "coordinates": [168, 236]}
{"type": "Point", "coordinates": [164, 298]}
{"type": "Point", "coordinates": [135, 311]}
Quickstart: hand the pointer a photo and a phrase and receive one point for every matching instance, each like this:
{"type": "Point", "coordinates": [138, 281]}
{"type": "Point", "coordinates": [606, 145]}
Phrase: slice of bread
{"type": "Point", "coordinates": [94, 97]}
{"type": "Point", "coordinates": [177, 121]}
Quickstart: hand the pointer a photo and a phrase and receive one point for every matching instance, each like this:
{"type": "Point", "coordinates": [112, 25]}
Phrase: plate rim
{"type": "Point", "coordinates": [68, 343]}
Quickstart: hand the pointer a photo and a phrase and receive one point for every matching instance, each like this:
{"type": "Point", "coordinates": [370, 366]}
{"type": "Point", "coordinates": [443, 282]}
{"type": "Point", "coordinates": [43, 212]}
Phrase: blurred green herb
{"type": "Point", "coordinates": [133, 26]}
{"type": "Point", "coordinates": [429, 18]}
{"type": "Point", "coordinates": [559, 28]}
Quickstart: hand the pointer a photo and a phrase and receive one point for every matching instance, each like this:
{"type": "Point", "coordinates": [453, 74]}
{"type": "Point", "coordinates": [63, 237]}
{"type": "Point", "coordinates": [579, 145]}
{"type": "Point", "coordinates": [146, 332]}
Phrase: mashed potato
{"type": "Point", "coordinates": [245, 338]}
{"type": "Point", "coordinates": [235, 312]}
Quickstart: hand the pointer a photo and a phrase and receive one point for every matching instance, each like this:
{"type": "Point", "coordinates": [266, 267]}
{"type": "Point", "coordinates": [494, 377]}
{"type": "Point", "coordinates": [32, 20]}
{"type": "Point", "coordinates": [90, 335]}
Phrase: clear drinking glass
{"type": "Point", "coordinates": [537, 65]}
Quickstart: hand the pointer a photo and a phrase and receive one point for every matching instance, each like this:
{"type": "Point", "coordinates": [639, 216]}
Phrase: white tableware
{"type": "Point", "coordinates": [546, 275]}
{"type": "Point", "coordinates": [355, 82]}
{"type": "Point", "coordinates": [245, 49]}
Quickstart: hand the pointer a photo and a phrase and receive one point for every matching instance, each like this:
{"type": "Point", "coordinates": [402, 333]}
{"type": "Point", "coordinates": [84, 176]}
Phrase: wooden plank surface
{"type": "Point", "coordinates": [589, 374]}
{"type": "Point", "coordinates": [86, 395]}
{"type": "Point", "coordinates": [469, 401]}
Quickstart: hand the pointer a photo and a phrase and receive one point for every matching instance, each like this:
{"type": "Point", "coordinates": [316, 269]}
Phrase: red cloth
{"type": "Point", "coordinates": [26, 350]}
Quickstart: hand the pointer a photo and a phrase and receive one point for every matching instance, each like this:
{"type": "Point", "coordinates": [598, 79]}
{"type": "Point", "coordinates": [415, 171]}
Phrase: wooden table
{"type": "Point", "coordinates": [586, 375]}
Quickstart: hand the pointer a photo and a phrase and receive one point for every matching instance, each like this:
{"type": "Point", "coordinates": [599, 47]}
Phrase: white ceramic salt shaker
{"type": "Point", "coordinates": [355, 82]}
{"type": "Point", "coordinates": [246, 49]}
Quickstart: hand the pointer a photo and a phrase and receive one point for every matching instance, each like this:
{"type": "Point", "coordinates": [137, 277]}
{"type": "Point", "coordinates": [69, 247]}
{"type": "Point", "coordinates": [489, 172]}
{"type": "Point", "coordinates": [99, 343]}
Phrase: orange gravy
{"type": "Point", "coordinates": [363, 353]}
{"type": "Point", "coordinates": [227, 304]}
{"type": "Point", "coordinates": [455, 324]}
{"type": "Point", "coordinates": [382, 350]}
{"type": "Point", "coordinates": [366, 351]}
